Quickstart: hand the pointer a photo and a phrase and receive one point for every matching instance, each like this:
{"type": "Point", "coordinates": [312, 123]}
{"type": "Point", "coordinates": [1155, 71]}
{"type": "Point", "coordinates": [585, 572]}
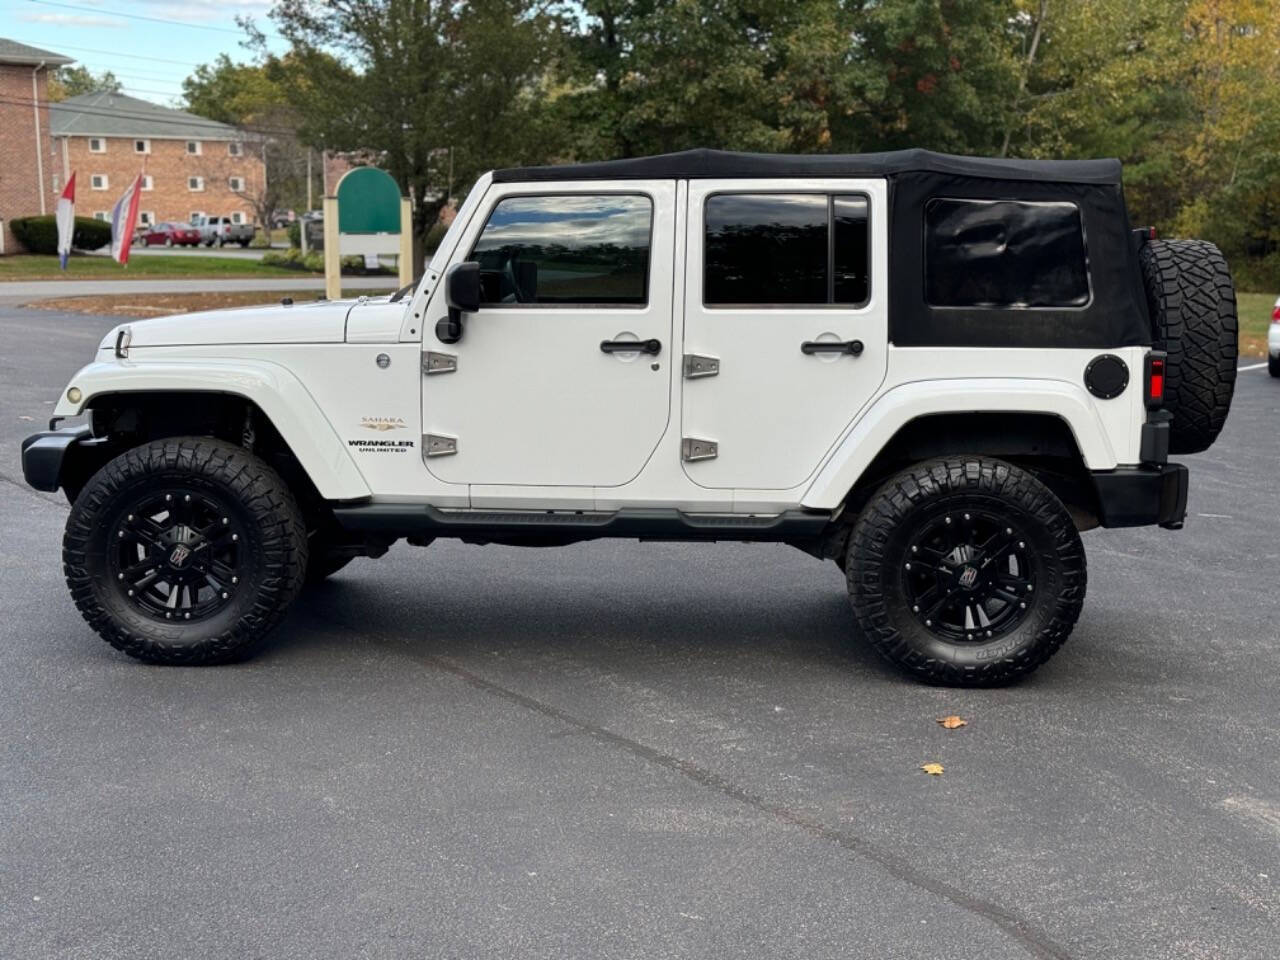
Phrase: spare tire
{"type": "Point", "coordinates": [1193, 316]}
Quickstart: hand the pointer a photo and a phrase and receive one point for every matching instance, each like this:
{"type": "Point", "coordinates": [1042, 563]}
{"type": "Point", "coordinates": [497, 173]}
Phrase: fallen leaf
{"type": "Point", "coordinates": [952, 722]}
{"type": "Point", "coordinates": [932, 769]}
{"type": "Point", "coordinates": [26, 418]}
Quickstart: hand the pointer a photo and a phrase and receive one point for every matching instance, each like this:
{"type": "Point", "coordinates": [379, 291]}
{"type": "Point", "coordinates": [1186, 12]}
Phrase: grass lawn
{"type": "Point", "coordinates": [34, 267]}
{"type": "Point", "coordinates": [1255, 317]}
{"type": "Point", "coordinates": [143, 305]}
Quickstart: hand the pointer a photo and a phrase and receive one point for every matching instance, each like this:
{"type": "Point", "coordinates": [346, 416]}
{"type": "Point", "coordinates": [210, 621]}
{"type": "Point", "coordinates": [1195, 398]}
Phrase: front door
{"type": "Point", "coordinates": [545, 388]}
{"type": "Point", "coordinates": [785, 304]}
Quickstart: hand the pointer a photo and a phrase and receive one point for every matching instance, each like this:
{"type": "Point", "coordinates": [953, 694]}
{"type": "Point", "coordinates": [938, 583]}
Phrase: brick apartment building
{"type": "Point", "coordinates": [190, 165]}
{"type": "Point", "coordinates": [28, 163]}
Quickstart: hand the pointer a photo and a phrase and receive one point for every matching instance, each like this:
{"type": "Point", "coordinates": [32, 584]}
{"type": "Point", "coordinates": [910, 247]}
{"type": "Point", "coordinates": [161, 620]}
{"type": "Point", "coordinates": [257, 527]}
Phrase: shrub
{"type": "Point", "coordinates": [295, 233]}
{"type": "Point", "coordinates": [283, 258]}
{"type": "Point", "coordinates": [40, 234]}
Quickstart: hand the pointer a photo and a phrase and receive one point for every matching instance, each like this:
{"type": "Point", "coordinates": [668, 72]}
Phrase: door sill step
{"type": "Point", "coordinates": [566, 526]}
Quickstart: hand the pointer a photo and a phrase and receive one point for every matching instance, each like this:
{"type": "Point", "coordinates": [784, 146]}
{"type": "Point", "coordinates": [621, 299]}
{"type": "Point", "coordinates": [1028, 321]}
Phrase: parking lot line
{"type": "Point", "coordinates": [1252, 366]}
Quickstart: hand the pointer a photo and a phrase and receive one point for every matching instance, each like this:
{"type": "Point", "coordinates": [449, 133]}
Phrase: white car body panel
{"type": "Point", "coordinates": [1273, 334]}
{"type": "Point", "coordinates": [276, 389]}
{"type": "Point", "coordinates": [545, 421]}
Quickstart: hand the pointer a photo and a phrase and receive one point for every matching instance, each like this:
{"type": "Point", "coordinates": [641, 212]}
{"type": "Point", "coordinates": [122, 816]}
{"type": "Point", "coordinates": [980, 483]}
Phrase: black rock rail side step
{"type": "Point", "coordinates": [554, 527]}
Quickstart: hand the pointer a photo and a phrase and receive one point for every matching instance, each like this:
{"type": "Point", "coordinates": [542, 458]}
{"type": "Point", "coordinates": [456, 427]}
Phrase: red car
{"type": "Point", "coordinates": [171, 234]}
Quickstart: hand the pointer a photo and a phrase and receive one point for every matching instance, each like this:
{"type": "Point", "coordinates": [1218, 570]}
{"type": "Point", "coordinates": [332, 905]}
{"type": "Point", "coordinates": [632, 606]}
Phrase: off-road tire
{"type": "Point", "coordinates": [256, 501]}
{"type": "Point", "coordinates": [934, 489]}
{"type": "Point", "coordinates": [1273, 366]}
{"type": "Point", "coordinates": [1192, 302]}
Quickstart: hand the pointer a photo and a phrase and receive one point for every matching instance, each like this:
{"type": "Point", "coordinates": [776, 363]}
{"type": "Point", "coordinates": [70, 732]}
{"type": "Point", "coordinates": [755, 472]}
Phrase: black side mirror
{"type": "Point", "coordinates": [462, 294]}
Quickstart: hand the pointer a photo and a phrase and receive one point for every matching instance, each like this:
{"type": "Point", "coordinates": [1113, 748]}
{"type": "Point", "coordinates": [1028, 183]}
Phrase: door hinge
{"type": "Point", "coordinates": [433, 362]}
{"type": "Point", "coordinates": [691, 448]}
{"type": "Point", "coordinates": [437, 445]}
{"type": "Point", "coordinates": [696, 365]}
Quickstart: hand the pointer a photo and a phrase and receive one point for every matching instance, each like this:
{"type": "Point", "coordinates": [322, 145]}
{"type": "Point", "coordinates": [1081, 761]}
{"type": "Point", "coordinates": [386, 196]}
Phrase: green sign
{"type": "Point", "coordinates": [368, 202]}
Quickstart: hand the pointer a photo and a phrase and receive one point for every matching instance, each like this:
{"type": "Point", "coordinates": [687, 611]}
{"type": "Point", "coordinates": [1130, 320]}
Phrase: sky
{"type": "Point", "coordinates": [150, 45]}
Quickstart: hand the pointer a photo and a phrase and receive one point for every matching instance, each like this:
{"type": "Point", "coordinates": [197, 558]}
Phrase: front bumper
{"type": "Point", "coordinates": [1142, 496]}
{"type": "Point", "coordinates": [44, 455]}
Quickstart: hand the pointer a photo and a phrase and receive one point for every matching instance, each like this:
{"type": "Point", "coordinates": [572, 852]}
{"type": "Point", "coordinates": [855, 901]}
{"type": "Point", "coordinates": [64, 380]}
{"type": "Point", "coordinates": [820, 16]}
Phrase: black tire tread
{"type": "Point", "coordinates": [1193, 311]}
{"type": "Point", "coordinates": [889, 508]}
{"type": "Point", "coordinates": [257, 487]}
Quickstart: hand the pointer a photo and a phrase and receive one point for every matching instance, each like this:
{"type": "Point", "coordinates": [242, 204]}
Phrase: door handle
{"type": "Point", "coordinates": [851, 347]}
{"type": "Point", "coordinates": [652, 347]}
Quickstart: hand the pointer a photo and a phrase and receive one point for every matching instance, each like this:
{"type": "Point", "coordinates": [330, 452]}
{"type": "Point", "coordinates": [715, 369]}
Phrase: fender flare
{"type": "Point", "coordinates": [897, 407]}
{"type": "Point", "coordinates": [274, 389]}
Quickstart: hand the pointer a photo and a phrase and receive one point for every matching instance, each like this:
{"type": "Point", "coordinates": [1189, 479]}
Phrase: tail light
{"type": "Point", "coordinates": [1154, 374]}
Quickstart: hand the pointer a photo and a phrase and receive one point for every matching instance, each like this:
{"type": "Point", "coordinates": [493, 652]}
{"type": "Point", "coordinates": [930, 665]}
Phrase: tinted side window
{"type": "Point", "coordinates": [765, 249]}
{"type": "Point", "coordinates": [785, 249]}
{"type": "Point", "coordinates": [1005, 253]}
{"type": "Point", "coordinates": [566, 250]}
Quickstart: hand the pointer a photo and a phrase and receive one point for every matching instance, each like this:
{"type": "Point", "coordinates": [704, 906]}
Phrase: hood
{"type": "Point", "coordinates": [321, 321]}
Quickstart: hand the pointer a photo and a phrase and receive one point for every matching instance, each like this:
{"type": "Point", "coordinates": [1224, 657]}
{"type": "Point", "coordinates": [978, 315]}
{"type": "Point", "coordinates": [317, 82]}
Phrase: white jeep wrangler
{"type": "Point", "coordinates": [932, 370]}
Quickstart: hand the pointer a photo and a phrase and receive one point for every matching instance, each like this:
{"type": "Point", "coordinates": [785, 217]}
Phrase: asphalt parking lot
{"type": "Point", "coordinates": [645, 751]}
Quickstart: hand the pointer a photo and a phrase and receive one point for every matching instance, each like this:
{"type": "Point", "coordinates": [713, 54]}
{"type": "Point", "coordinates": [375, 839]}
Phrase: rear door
{"type": "Point", "coordinates": [785, 324]}
{"type": "Point", "coordinates": [545, 387]}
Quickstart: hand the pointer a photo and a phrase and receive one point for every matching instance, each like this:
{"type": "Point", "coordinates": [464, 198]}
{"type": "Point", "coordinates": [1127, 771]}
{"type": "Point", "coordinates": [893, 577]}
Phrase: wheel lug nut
{"type": "Point", "coordinates": [946, 520]}
{"type": "Point", "coordinates": [225, 521]}
{"type": "Point", "coordinates": [928, 623]}
{"type": "Point", "coordinates": [121, 534]}
{"type": "Point", "coordinates": [130, 518]}
{"type": "Point", "coordinates": [1022, 545]}
{"type": "Point", "coordinates": [131, 593]}
{"type": "Point", "coordinates": [1028, 588]}
{"type": "Point", "coordinates": [988, 633]}
{"type": "Point", "coordinates": [915, 549]}
{"type": "Point", "coordinates": [168, 497]}
{"type": "Point", "coordinates": [916, 608]}
{"type": "Point", "coordinates": [966, 516]}
{"type": "Point", "coordinates": [168, 616]}
{"type": "Point", "coordinates": [186, 616]}
{"type": "Point", "coordinates": [1008, 529]}
{"type": "Point", "coordinates": [187, 498]}
{"type": "Point", "coordinates": [225, 594]}
{"type": "Point", "coordinates": [235, 536]}
{"type": "Point", "coordinates": [235, 579]}
{"type": "Point", "coordinates": [1023, 605]}
{"type": "Point", "coordinates": [908, 566]}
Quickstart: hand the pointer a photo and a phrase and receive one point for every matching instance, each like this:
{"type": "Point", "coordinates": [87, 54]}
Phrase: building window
{"type": "Point", "coordinates": [577, 249]}
{"type": "Point", "coordinates": [236, 184]}
{"type": "Point", "coordinates": [147, 217]}
{"type": "Point", "coordinates": [1002, 254]}
{"type": "Point", "coordinates": [101, 215]}
{"type": "Point", "coordinates": [195, 215]}
{"type": "Point", "coordinates": [98, 181]}
{"type": "Point", "coordinates": [97, 145]}
{"type": "Point", "coordinates": [195, 184]}
{"type": "Point", "coordinates": [147, 182]}
{"type": "Point", "coordinates": [785, 249]}
{"type": "Point", "coordinates": [237, 217]}
{"type": "Point", "coordinates": [194, 148]}
{"type": "Point", "coordinates": [142, 146]}
{"type": "Point", "coordinates": [235, 149]}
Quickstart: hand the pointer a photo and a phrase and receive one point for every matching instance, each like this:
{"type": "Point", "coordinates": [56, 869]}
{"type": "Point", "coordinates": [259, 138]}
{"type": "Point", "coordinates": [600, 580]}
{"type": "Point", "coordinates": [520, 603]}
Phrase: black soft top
{"type": "Point", "coordinates": [712, 164]}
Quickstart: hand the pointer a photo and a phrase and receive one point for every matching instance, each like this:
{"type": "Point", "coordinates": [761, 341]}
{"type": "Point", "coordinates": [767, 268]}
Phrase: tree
{"type": "Point", "coordinates": [72, 81]}
{"type": "Point", "coordinates": [246, 96]}
{"type": "Point", "coordinates": [437, 90]}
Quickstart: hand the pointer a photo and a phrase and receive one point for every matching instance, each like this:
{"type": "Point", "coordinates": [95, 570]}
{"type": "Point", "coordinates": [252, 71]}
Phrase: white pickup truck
{"type": "Point", "coordinates": [221, 231]}
{"type": "Point", "coordinates": [931, 370]}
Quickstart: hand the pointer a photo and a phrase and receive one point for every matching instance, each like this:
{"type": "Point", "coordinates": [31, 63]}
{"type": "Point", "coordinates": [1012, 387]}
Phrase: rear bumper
{"type": "Point", "coordinates": [1142, 496]}
{"type": "Point", "coordinates": [44, 455]}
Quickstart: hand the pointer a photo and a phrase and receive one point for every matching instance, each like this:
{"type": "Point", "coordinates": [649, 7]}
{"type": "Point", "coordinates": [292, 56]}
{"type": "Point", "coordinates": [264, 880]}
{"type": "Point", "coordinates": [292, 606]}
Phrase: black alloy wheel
{"type": "Point", "coordinates": [177, 553]}
{"type": "Point", "coordinates": [969, 575]}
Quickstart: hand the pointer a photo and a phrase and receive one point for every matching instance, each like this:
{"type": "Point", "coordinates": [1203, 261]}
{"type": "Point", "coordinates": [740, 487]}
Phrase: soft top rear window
{"type": "Point", "coordinates": [1005, 254]}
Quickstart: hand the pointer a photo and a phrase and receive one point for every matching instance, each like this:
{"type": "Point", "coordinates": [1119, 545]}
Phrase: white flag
{"type": "Point", "coordinates": [66, 219]}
